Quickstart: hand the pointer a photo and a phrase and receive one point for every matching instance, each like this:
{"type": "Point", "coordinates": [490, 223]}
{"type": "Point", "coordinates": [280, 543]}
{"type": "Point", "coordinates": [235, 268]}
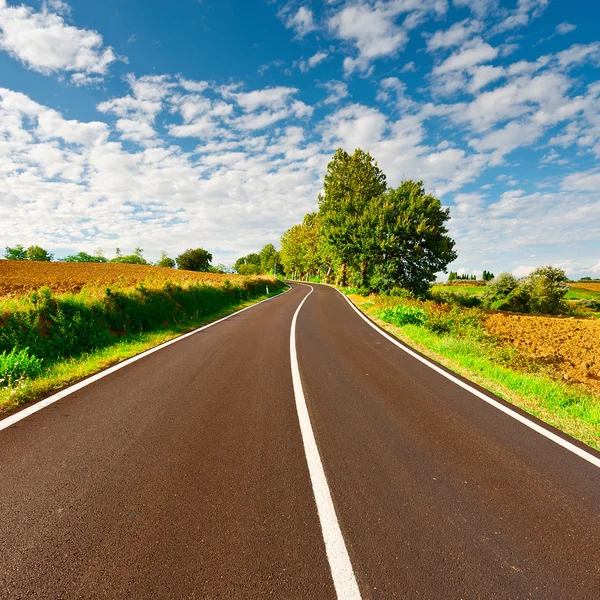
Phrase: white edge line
{"type": "Point", "coordinates": [337, 554]}
{"type": "Point", "coordinates": [505, 409]}
{"type": "Point", "coordinates": [23, 414]}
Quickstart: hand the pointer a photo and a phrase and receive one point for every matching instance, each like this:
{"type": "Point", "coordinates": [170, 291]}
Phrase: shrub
{"type": "Point", "coordinates": [403, 315]}
{"type": "Point", "coordinates": [16, 366]}
{"type": "Point", "coordinates": [547, 289]}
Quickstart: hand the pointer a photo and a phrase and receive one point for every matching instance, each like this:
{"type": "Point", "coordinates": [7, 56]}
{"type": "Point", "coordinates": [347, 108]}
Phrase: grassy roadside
{"type": "Point", "coordinates": [70, 370]}
{"type": "Point", "coordinates": [465, 349]}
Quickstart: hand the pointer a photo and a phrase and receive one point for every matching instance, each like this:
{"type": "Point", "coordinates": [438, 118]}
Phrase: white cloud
{"type": "Point", "coordinates": [372, 27]}
{"type": "Point", "coordinates": [274, 97]}
{"type": "Point", "coordinates": [312, 62]}
{"type": "Point", "coordinates": [336, 92]}
{"type": "Point", "coordinates": [564, 28]}
{"type": "Point", "coordinates": [456, 35]}
{"type": "Point", "coordinates": [523, 271]}
{"type": "Point", "coordinates": [586, 181]}
{"type": "Point", "coordinates": [478, 7]}
{"type": "Point", "coordinates": [44, 42]}
{"type": "Point", "coordinates": [301, 21]}
{"type": "Point", "coordinates": [470, 54]}
{"type": "Point", "coordinates": [525, 12]}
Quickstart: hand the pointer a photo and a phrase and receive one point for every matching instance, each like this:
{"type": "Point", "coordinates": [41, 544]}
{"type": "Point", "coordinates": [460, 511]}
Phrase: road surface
{"type": "Point", "coordinates": [185, 475]}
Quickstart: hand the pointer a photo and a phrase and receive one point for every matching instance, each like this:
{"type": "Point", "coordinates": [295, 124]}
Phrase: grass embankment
{"type": "Point", "coordinates": [456, 338]}
{"type": "Point", "coordinates": [48, 341]}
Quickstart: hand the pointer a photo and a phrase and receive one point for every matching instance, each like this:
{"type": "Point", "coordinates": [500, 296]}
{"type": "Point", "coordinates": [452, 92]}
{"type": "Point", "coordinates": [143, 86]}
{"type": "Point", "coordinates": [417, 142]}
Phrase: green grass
{"type": "Point", "coordinates": [576, 293]}
{"type": "Point", "coordinates": [467, 350]}
{"type": "Point", "coordinates": [472, 290]}
{"type": "Point", "coordinates": [64, 371]}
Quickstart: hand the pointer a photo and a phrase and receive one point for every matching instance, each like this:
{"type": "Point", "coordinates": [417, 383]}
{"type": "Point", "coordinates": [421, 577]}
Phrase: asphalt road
{"type": "Point", "coordinates": [185, 475]}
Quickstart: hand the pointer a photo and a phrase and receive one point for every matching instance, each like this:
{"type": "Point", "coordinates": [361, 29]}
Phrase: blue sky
{"type": "Point", "coordinates": [210, 123]}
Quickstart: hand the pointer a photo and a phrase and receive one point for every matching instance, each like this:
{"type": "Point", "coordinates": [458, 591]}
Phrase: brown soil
{"type": "Point", "coordinates": [571, 347]}
{"type": "Point", "coordinates": [21, 277]}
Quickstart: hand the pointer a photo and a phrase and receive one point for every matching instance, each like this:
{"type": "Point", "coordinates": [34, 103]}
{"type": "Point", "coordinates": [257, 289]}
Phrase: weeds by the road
{"type": "Point", "coordinates": [456, 337]}
{"type": "Point", "coordinates": [56, 340]}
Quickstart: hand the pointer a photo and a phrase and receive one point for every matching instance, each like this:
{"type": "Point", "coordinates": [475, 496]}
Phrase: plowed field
{"type": "Point", "coordinates": [571, 347]}
{"type": "Point", "coordinates": [593, 287]}
{"type": "Point", "coordinates": [20, 277]}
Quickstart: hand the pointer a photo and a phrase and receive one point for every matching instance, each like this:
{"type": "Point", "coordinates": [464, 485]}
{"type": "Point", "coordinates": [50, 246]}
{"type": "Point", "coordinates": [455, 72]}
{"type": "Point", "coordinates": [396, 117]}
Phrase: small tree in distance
{"type": "Point", "coordinates": [17, 252]}
{"type": "Point", "coordinates": [194, 259]}
{"type": "Point", "coordinates": [165, 260]}
{"type": "Point", "coordinates": [38, 253]}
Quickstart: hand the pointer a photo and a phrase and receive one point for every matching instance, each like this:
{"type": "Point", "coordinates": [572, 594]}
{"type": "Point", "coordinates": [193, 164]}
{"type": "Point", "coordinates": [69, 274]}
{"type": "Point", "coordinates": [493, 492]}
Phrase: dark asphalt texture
{"type": "Point", "coordinates": [183, 475]}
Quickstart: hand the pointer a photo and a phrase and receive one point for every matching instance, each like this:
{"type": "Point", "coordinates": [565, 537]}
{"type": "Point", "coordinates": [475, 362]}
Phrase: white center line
{"type": "Point", "coordinates": [341, 569]}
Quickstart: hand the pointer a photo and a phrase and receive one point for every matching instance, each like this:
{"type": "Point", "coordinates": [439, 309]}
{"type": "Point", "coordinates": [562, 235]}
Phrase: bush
{"type": "Point", "coordinates": [448, 297]}
{"type": "Point", "coordinates": [542, 292]}
{"type": "Point", "coordinates": [547, 288]}
{"type": "Point", "coordinates": [403, 315]}
{"type": "Point", "coordinates": [16, 366]}
{"type": "Point", "coordinates": [53, 327]}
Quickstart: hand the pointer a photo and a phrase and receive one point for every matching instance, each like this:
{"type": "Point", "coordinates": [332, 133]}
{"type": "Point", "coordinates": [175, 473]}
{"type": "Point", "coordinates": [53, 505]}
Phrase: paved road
{"type": "Point", "coordinates": [184, 475]}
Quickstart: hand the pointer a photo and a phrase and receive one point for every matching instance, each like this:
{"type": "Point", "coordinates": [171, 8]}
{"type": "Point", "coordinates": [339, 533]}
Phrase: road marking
{"type": "Point", "coordinates": [27, 412]}
{"type": "Point", "coordinates": [339, 562]}
{"type": "Point", "coordinates": [594, 460]}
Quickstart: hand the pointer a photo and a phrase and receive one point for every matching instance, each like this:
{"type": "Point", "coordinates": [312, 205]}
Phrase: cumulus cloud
{"type": "Point", "coordinates": [301, 21]}
{"type": "Point", "coordinates": [373, 28]}
{"type": "Point", "coordinates": [44, 42]}
{"type": "Point", "coordinates": [312, 62]}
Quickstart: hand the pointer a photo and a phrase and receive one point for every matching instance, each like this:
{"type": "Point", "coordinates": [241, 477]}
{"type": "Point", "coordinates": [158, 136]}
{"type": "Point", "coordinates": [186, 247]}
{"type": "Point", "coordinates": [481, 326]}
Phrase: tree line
{"type": "Point", "coordinates": [192, 259]}
{"type": "Point", "coordinates": [485, 276]}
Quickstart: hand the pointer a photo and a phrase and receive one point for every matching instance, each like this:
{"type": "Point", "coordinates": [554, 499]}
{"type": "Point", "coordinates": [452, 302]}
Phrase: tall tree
{"type": "Point", "coordinates": [268, 258]}
{"type": "Point", "coordinates": [351, 183]}
{"type": "Point", "coordinates": [409, 242]}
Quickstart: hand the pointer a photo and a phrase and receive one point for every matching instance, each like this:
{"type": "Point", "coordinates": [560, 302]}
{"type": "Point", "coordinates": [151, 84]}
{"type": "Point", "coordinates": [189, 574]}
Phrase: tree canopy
{"type": "Point", "coordinates": [194, 259]}
{"type": "Point", "coordinates": [367, 234]}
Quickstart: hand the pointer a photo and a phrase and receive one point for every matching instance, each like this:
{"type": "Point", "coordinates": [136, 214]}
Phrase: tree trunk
{"type": "Point", "coordinates": [343, 279]}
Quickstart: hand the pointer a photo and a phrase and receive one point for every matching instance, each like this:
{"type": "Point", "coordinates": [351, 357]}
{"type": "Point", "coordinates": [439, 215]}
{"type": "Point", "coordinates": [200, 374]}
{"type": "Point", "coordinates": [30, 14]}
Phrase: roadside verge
{"type": "Point", "coordinates": [574, 412]}
{"type": "Point", "coordinates": [79, 372]}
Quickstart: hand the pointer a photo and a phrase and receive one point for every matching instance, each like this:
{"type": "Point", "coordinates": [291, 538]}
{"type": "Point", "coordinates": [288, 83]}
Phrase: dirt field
{"type": "Point", "coordinates": [20, 277]}
{"type": "Point", "coordinates": [570, 346]}
{"type": "Point", "coordinates": [593, 287]}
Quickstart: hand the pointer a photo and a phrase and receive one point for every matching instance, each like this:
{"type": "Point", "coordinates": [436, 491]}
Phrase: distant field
{"type": "Point", "coordinates": [582, 291]}
{"type": "Point", "coordinates": [21, 277]}
{"type": "Point", "coordinates": [460, 289]}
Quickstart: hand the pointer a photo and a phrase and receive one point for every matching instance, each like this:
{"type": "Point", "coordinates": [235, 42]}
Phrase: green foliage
{"type": "Point", "coordinates": [84, 257]}
{"type": "Point", "coordinates": [487, 275]}
{"type": "Point", "coordinates": [452, 276]}
{"type": "Point", "coordinates": [136, 258]}
{"type": "Point", "coordinates": [408, 242]}
{"type": "Point", "coordinates": [165, 260]}
{"type": "Point", "coordinates": [249, 265]}
{"type": "Point", "coordinates": [194, 259]}
{"type": "Point", "coordinates": [542, 292]}
{"type": "Point", "coordinates": [38, 253]}
{"type": "Point", "coordinates": [16, 366]}
{"type": "Point", "coordinates": [403, 315]}
{"type": "Point", "coordinates": [53, 327]}
{"type": "Point", "coordinates": [547, 289]}
{"type": "Point", "coordinates": [452, 297]}
{"type": "Point", "coordinates": [351, 182]}
{"type": "Point", "coordinates": [17, 252]}
{"type": "Point", "coordinates": [368, 236]}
